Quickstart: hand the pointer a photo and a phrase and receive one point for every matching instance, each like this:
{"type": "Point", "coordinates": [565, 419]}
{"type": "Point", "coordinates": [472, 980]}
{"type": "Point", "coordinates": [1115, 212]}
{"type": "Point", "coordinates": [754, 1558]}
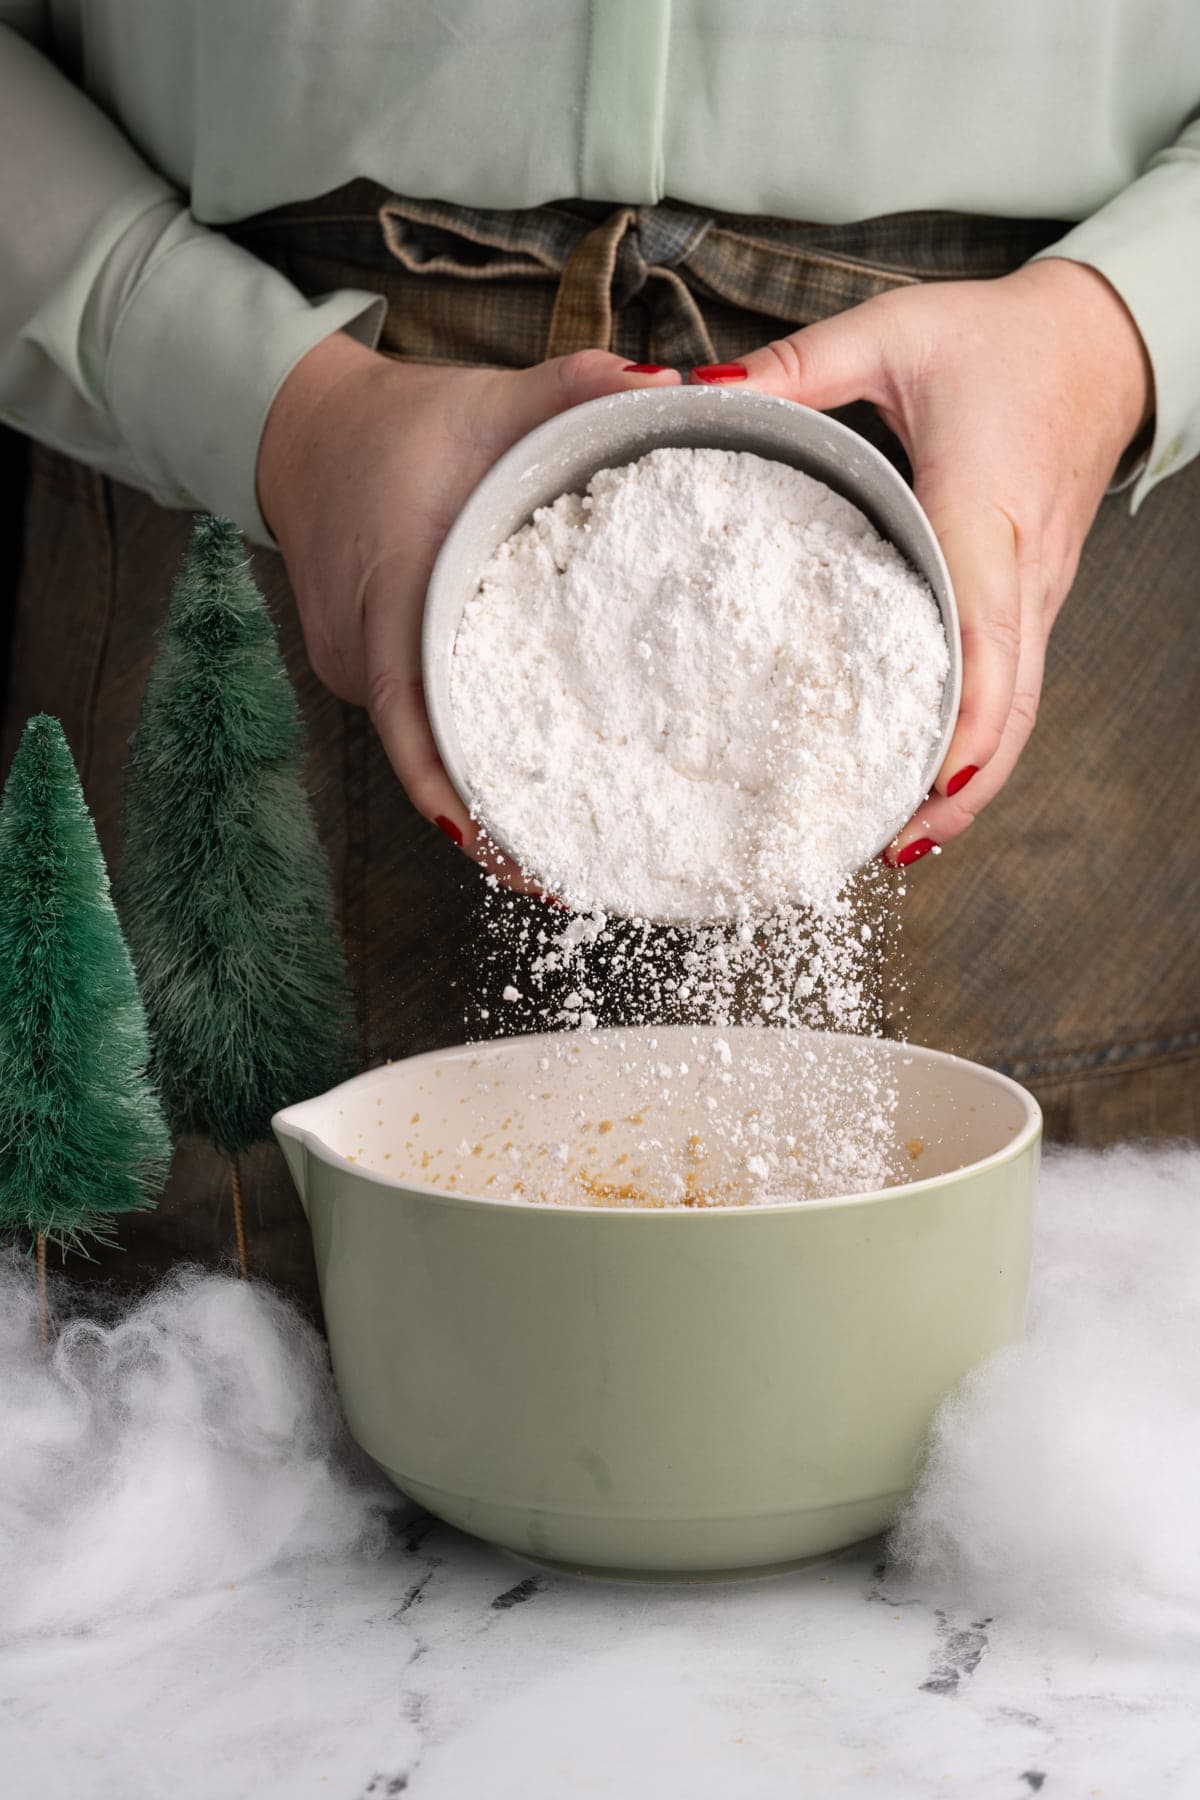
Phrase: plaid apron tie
{"type": "Point", "coordinates": [659, 274]}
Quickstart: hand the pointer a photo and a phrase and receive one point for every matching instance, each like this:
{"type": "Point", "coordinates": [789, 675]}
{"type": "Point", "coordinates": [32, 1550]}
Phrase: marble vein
{"type": "Point", "coordinates": [449, 1671]}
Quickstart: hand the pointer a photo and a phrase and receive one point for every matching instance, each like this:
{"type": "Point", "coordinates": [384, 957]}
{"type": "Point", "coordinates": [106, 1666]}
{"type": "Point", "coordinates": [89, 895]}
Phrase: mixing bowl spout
{"type": "Point", "coordinates": [287, 1128]}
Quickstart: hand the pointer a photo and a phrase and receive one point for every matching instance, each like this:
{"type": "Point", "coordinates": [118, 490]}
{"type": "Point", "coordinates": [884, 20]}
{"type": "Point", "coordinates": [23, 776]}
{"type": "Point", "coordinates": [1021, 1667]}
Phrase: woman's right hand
{"type": "Point", "coordinates": [362, 469]}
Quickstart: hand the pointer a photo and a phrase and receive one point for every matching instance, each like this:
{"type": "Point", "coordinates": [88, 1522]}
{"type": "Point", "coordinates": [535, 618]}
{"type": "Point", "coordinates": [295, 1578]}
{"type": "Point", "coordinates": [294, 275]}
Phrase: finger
{"type": "Point", "coordinates": [979, 543]}
{"type": "Point", "coordinates": [944, 817]}
{"type": "Point", "coordinates": [397, 710]}
{"type": "Point", "coordinates": [396, 706]}
{"type": "Point", "coordinates": [551, 387]}
{"type": "Point", "coordinates": [828, 364]}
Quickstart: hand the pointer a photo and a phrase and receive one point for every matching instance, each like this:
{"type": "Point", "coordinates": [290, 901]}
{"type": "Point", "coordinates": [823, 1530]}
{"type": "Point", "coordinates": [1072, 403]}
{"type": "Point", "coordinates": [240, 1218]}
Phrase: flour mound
{"type": "Point", "coordinates": [192, 1442]}
{"type": "Point", "coordinates": [1063, 1480]}
{"type": "Point", "coordinates": [706, 689]}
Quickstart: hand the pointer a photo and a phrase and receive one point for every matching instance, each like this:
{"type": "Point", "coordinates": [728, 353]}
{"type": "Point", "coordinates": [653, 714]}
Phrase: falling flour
{"type": "Point", "coordinates": [779, 1123]}
{"type": "Point", "coordinates": [707, 689]}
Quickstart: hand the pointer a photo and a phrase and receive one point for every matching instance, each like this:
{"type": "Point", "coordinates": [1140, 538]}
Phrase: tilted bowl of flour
{"type": "Point", "coordinates": [691, 654]}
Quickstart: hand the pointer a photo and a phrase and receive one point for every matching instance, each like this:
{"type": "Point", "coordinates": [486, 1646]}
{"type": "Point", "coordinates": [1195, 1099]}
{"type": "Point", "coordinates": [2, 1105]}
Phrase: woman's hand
{"type": "Point", "coordinates": [362, 469]}
{"type": "Point", "coordinates": [1014, 400]}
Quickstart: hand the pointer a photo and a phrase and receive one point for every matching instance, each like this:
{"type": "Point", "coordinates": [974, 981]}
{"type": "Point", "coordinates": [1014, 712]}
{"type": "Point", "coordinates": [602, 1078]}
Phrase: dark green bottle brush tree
{"type": "Point", "coordinates": [82, 1135]}
{"type": "Point", "coordinates": [225, 891]}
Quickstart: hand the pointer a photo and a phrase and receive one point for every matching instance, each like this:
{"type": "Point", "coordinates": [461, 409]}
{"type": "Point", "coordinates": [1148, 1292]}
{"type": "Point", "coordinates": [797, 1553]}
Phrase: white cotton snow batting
{"type": "Point", "coordinates": [193, 1442]}
{"type": "Point", "coordinates": [707, 689]}
{"type": "Point", "coordinates": [1063, 1482]}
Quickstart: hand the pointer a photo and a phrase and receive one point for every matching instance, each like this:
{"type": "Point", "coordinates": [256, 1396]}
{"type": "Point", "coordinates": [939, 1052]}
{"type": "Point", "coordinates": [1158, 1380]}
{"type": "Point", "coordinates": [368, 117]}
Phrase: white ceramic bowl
{"type": "Point", "coordinates": [561, 457]}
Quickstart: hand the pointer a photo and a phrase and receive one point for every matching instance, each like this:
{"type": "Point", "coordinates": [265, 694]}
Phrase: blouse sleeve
{"type": "Point", "coordinates": [131, 337]}
{"type": "Point", "coordinates": [1146, 242]}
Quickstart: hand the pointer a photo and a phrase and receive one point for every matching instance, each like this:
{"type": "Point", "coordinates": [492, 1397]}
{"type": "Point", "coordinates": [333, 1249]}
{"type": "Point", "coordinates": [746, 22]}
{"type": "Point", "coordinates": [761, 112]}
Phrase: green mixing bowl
{"type": "Point", "coordinates": [627, 1388]}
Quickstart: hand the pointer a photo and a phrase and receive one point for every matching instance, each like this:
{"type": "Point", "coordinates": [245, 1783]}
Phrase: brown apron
{"type": "Point", "coordinates": [1057, 940]}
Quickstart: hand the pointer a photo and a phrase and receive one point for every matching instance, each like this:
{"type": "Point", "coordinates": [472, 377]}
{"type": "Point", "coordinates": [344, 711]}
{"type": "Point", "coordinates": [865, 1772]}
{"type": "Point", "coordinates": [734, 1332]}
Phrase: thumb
{"type": "Point", "coordinates": [828, 364]}
{"type": "Point", "coordinates": [551, 387]}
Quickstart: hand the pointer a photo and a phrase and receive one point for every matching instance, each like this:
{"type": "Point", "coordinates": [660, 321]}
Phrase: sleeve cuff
{"type": "Point", "coordinates": [205, 340]}
{"type": "Point", "coordinates": [1146, 242]}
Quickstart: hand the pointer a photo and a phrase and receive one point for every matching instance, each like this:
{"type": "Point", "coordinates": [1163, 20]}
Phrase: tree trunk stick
{"type": "Point", "coordinates": [239, 1219]}
{"type": "Point", "coordinates": [43, 1308]}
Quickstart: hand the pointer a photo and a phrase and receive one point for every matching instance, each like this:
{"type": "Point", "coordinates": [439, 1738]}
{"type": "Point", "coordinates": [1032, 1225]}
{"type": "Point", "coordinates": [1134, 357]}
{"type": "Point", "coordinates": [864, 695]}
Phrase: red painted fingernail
{"type": "Point", "coordinates": [644, 369]}
{"type": "Point", "coordinates": [958, 782]}
{"type": "Point", "coordinates": [451, 830]}
{"type": "Point", "coordinates": [714, 372]}
{"type": "Point", "coordinates": [913, 852]}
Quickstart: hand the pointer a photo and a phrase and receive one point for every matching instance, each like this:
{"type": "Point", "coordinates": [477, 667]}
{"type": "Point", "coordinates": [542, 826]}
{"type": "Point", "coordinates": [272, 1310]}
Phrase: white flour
{"type": "Point", "coordinates": [705, 690]}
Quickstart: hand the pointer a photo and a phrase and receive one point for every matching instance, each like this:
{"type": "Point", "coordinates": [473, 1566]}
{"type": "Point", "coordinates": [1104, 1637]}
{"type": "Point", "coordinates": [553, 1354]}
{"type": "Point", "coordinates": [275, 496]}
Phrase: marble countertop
{"type": "Point", "coordinates": [448, 1671]}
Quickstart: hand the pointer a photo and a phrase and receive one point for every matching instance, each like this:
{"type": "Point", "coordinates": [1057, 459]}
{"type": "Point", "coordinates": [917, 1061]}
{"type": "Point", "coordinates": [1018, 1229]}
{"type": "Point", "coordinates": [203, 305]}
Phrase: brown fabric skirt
{"type": "Point", "coordinates": [1057, 940]}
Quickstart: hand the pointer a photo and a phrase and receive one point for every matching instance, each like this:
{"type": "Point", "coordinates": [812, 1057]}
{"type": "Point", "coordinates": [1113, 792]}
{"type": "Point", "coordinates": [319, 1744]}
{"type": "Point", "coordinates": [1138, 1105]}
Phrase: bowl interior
{"type": "Point", "coordinates": [561, 457]}
{"type": "Point", "coordinates": [622, 1115]}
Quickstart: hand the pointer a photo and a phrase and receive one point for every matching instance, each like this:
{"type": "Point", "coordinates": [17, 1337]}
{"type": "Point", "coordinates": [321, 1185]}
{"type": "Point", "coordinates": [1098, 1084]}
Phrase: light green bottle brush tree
{"type": "Point", "coordinates": [82, 1135]}
{"type": "Point", "coordinates": [225, 891]}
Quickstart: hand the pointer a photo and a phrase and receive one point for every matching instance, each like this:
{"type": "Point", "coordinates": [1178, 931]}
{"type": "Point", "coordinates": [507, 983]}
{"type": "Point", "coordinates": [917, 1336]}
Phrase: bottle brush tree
{"type": "Point", "coordinates": [82, 1134]}
{"type": "Point", "coordinates": [225, 891]}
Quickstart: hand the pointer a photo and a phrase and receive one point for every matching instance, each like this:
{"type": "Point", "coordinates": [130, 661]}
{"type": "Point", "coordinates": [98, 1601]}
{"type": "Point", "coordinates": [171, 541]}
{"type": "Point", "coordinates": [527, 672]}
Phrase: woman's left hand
{"type": "Point", "coordinates": [1014, 400]}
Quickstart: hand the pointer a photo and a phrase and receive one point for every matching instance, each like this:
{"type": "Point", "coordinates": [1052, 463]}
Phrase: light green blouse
{"type": "Point", "coordinates": [135, 336]}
